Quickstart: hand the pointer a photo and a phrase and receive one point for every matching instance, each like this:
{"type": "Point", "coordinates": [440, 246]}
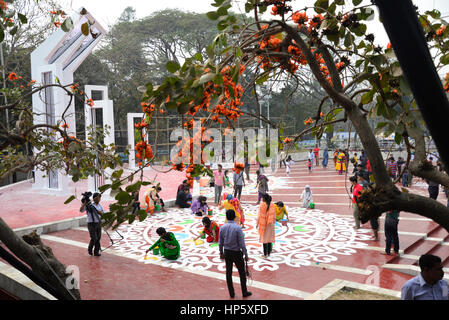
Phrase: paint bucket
{"type": "Point", "coordinates": [203, 235]}
{"type": "Point", "coordinates": [157, 207]}
{"type": "Point", "coordinates": [210, 212]}
{"type": "Point", "coordinates": [284, 222]}
{"type": "Point", "coordinates": [156, 250]}
{"type": "Point", "coordinates": [312, 205]}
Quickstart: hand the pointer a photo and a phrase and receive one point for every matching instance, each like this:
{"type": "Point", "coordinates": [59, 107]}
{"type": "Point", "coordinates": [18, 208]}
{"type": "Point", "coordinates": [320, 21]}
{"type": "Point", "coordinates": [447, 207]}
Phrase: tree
{"type": "Point", "coordinates": [54, 149]}
{"type": "Point", "coordinates": [332, 45]}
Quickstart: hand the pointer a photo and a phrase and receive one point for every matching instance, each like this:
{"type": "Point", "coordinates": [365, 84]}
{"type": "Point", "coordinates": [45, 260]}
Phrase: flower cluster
{"type": "Point", "coordinates": [238, 167]}
{"type": "Point", "coordinates": [144, 150]}
{"type": "Point", "coordinates": [441, 30]}
{"type": "Point", "coordinates": [140, 125]}
{"type": "Point", "coordinates": [287, 140]}
{"type": "Point", "coordinates": [90, 102]}
{"type": "Point", "coordinates": [229, 104]}
{"type": "Point", "coordinates": [308, 121]}
{"type": "Point", "coordinates": [3, 5]}
{"type": "Point", "coordinates": [57, 14]}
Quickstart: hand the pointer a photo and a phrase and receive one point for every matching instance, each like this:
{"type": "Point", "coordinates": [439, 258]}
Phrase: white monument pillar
{"type": "Point", "coordinates": [107, 108]}
{"type": "Point", "coordinates": [54, 62]}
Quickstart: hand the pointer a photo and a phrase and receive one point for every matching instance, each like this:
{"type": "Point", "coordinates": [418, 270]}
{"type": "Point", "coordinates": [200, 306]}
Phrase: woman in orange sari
{"type": "Point", "coordinates": [265, 224]}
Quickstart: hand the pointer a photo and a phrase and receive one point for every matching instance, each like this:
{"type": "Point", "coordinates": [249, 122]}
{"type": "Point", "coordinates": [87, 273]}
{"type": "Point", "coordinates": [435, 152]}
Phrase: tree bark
{"type": "Point", "coordinates": [28, 253]}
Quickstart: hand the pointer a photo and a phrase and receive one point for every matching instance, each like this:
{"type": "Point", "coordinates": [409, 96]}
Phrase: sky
{"type": "Point", "coordinates": [108, 11]}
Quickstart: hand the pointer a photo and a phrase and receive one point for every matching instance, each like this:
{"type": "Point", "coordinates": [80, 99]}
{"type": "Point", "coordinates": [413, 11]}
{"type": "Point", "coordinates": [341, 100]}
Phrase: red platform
{"type": "Point", "coordinates": [117, 276]}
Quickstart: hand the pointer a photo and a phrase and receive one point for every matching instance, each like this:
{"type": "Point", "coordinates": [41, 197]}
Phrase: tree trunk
{"type": "Point", "coordinates": [29, 253]}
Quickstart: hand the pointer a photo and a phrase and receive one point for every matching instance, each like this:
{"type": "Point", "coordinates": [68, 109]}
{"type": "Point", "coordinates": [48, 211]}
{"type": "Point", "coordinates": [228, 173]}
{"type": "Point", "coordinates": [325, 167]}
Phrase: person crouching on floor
{"type": "Point", "coordinates": [167, 243]}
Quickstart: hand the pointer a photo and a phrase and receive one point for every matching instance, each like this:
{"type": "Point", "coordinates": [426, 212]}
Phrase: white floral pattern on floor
{"type": "Point", "coordinates": [310, 236]}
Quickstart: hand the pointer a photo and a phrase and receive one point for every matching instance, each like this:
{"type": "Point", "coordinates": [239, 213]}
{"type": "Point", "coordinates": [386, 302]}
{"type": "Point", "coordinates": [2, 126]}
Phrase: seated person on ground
{"type": "Point", "coordinates": [167, 243]}
{"type": "Point", "coordinates": [185, 198]}
{"type": "Point", "coordinates": [199, 206]}
{"type": "Point", "coordinates": [211, 229]}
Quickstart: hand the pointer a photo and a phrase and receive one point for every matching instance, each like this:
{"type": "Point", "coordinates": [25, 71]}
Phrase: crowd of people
{"type": "Point", "coordinates": [230, 238]}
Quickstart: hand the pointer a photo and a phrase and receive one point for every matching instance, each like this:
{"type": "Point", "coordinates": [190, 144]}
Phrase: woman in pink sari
{"type": "Point", "coordinates": [265, 224]}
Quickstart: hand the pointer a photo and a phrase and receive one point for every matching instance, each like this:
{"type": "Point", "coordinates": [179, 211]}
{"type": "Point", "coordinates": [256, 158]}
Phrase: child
{"type": "Point", "coordinates": [287, 168]}
{"type": "Point", "coordinates": [306, 197]}
{"type": "Point", "coordinates": [280, 210]}
{"type": "Point", "coordinates": [309, 165]}
{"type": "Point", "coordinates": [226, 179]}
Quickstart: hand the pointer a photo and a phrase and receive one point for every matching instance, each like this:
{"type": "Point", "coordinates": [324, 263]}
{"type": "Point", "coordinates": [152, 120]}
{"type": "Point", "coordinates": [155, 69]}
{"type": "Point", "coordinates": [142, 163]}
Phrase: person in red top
{"type": "Point", "coordinates": [368, 167]}
{"type": "Point", "coordinates": [356, 191]}
{"type": "Point", "coordinates": [316, 151]}
{"type": "Point", "coordinates": [211, 229]}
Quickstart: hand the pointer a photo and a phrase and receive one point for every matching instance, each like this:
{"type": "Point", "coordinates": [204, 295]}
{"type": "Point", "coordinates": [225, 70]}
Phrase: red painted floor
{"type": "Point", "coordinates": [114, 277]}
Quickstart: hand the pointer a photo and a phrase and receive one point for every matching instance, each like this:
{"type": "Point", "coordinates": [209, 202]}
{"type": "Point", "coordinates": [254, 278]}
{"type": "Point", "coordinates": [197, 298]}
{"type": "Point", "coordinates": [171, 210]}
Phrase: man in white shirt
{"type": "Point", "coordinates": [429, 284]}
{"type": "Point", "coordinates": [94, 210]}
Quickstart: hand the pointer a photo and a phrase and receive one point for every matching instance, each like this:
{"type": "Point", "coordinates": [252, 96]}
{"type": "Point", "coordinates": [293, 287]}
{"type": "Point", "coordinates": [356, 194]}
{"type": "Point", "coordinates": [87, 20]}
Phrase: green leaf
{"type": "Point", "coordinates": [104, 187]}
{"type": "Point", "coordinates": [356, 2]}
{"type": "Point", "coordinates": [198, 56]}
{"type": "Point", "coordinates": [85, 29]}
{"type": "Point", "coordinates": [133, 187]}
{"type": "Point", "coordinates": [263, 78]}
{"type": "Point", "coordinates": [172, 66]}
{"type": "Point", "coordinates": [360, 30]}
{"type": "Point", "coordinates": [2, 35]}
{"type": "Point", "coordinates": [367, 97]}
{"type": "Point", "coordinates": [397, 138]}
{"type": "Point", "coordinates": [67, 25]}
{"type": "Point", "coordinates": [212, 15]}
{"type": "Point", "coordinates": [13, 31]}
{"type": "Point", "coordinates": [206, 78]}
{"type": "Point", "coordinates": [23, 19]}
{"type": "Point", "coordinates": [445, 59]}
{"type": "Point", "coordinates": [348, 40]}
{"type": "Point", "coordinates": [69, 199]}
{"type": "Point", "coordinates": [321, 6]}
{"type": "Point", "coordinates": [123, 197]}
{"type": "Point", "coordinates": [434, 13]}
{"type": "Point", "coordinates": [117, 174]}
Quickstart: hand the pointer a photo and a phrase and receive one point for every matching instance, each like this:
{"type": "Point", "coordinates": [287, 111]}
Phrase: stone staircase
{"type": "Point", "coordinates": [435, 242]}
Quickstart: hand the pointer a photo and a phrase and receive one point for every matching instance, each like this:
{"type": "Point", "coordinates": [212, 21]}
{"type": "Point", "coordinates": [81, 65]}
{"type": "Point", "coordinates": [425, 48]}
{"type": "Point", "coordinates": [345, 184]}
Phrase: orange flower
{"type": "Point", "coordinates": [57, 24]}
{"type": "Point", "coordinates": [238, 167]}
{"type": "Point", "coordinates": [13, 76]}
{"type": "Point", "coordinates": [300, 17]}
{"type": "Point", "coordinates": [441, 30]}
{"type": "Point", "coordinates": [3, 5]}
{"type": "Point", "coordinates": [90, 102]}
{"type": "Point", "coordinates": [65, 125]}
{"type": "Point", "coordinates": [389, 45]}
{"type": "Point", "coordinates": [340, 65]}
{"type": "Point", "coordinates": [287, 140]}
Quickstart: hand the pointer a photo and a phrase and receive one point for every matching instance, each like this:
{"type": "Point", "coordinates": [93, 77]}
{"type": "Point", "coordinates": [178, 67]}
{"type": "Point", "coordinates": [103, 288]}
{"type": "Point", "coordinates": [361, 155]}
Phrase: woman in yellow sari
{"type": "Point", "coordinates": [233, 203]}
{"type": "Point", "coordinates": [265, 224]}
{"type": "Point", "coordinates": [341, 163]}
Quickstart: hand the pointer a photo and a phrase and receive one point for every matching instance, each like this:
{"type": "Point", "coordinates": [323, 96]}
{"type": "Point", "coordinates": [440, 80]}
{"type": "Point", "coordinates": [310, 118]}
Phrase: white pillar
{"type": "Point", "coordinates": [107, 108]}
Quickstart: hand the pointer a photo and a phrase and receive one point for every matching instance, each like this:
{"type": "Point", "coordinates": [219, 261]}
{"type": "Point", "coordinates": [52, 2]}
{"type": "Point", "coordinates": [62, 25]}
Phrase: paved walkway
{"type": "Point", "coordinates": [317, 248]}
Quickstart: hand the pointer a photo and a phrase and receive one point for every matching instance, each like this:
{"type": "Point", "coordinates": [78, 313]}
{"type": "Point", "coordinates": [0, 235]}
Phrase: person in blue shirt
{"type": "Point", "coordinates": [429, 284]}
{"type": "Point", "coordinates": [232, 248]}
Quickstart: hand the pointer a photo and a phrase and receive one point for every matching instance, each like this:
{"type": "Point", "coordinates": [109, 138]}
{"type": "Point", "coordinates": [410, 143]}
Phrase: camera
{"type": "Point", "coordinates": [86, 197]}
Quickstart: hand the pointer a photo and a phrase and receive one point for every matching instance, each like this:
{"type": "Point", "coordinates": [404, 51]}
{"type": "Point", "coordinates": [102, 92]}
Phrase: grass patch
{"type": "Point", "coordinates": [347, 293]}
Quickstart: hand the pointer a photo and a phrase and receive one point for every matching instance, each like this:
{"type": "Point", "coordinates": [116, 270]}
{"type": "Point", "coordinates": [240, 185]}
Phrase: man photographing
{"type": "Point", "coordinates": [94, 211]}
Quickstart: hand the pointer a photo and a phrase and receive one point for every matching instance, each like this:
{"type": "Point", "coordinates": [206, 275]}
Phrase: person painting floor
{"type": "Point", "coordinates": [167, 244]}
